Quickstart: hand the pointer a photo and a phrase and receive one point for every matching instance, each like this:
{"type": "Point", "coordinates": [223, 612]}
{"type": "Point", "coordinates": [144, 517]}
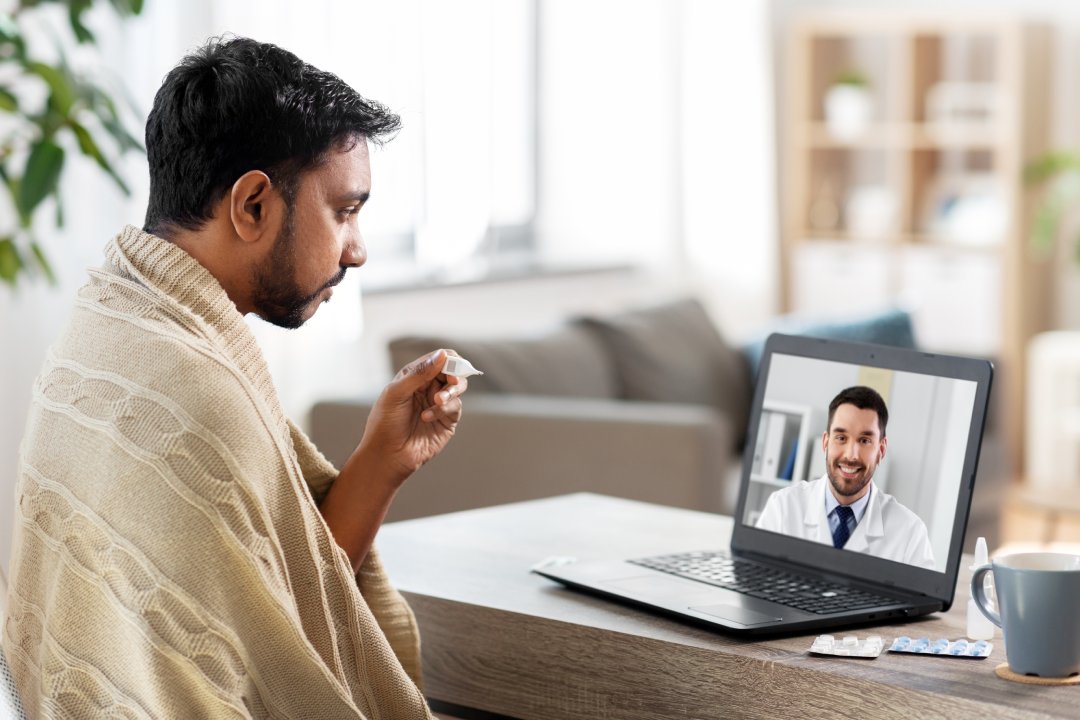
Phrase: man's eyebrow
{"type": "Point", "coordinates": [846, 432]}
{"type": "Point", "coordinates": [359, 197]}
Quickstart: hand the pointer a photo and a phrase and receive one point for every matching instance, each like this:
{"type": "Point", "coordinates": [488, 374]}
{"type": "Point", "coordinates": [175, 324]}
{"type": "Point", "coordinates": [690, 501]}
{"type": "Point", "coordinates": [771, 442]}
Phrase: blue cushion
{"type": "Point", "coordinates": [890, 327]}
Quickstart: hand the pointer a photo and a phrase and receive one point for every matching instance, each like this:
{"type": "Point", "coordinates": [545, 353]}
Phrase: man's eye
{"type": "Point", "coordinates": [352, 210]}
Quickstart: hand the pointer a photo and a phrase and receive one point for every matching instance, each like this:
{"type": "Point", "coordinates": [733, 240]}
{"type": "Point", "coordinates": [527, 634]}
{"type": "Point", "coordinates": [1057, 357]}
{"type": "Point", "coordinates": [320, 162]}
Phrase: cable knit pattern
{"type": "Point", "coordinates": [169, 559]}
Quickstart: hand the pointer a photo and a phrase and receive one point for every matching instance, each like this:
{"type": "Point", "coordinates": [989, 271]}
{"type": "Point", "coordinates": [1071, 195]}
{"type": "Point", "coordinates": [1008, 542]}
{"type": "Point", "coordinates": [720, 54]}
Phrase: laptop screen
{"type": "Point", "coordinates": [886, 477]}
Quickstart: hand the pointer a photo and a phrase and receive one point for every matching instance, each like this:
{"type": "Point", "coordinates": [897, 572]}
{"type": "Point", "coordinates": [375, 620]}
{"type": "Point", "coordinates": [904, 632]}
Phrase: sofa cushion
{"type": "Point", "coordinates": [568, 362]}
{"type": "Point", "coordinates": [674, 353]}
{"type": "Point", "coordinates": [889, 327]}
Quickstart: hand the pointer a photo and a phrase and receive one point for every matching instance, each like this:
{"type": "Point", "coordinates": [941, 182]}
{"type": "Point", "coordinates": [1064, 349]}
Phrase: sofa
{"type": "Point", "coordinates": [650, 404]}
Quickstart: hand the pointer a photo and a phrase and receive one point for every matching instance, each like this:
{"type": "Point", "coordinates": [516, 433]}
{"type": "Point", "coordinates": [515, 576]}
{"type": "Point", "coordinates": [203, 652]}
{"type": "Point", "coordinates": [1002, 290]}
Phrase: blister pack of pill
{"type": "Point", "coordinates": [977, 650]}
{"type": "Point", "coordinates": [848, 646]}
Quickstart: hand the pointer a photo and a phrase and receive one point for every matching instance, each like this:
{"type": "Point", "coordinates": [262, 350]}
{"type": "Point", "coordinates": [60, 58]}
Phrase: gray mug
{"type": "Point", "coordinates": [1039, 597]}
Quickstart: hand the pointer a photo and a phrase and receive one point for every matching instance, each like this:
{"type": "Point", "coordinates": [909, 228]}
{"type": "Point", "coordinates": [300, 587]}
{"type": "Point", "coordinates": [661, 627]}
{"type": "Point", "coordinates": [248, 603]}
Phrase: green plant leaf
{"type": "Point", "coordinates": [10, 262]}
{"type": "Point", "coordinates": [1044, 228]}
{"type": "Point", "coordinates": [10, 35]}
{"type": "Point", "coordinates": [854, 77]}
{"type": "Point", "coordinates": [128, 7]}
{"type": "Point", "coordinates": [62, 94]}
{"type": "Point", "coordinates": [123, 138]}
{"type": "Point", "coordinates": [8, 102]}
{"type": "Point", "coordinates": [43, 262]}
{"type": "Point", "coordinates": [59, 208]}
{"type": "Point", "coordinates": [1059, 199]}
{"type": "Point", "coordinates": [105, 109]}
{"type": "Point", "coordinates": [90, 148]}
{"type": "Point", "coordinates": [75, 10]}
{"type": "Point", "coordinates": [1050, 164]}
{"type": "Point", "coordinates": [41, 177]}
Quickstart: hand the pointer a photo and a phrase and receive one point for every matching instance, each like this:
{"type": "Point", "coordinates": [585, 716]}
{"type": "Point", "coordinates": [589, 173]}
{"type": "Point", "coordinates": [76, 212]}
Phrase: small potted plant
{"type": "Point", "coordinates": [848, 105]}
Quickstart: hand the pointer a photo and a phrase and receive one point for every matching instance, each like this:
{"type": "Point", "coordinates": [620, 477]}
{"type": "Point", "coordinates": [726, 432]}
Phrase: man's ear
{"type": "Point", "coordinates": [884, 446]}
{"type": "Point", "coordinates": [250, 204]}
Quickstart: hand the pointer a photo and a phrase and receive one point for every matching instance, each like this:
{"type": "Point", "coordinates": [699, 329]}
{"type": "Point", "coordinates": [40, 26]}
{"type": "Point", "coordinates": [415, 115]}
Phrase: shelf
{"type": "Point", "coordinates": [957, 136]}
{"type": "Point", "coordinates": [906, 136]}
{"type": "Point", "coordinates": [772, 482]}
{"type": "Point", "coordinates": [897, 240]}
{"type": "Point", "coordinates": [925, 206]}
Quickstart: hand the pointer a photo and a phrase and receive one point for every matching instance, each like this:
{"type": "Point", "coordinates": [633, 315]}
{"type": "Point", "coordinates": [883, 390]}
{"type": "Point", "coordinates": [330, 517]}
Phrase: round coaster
{"type": "Point", "coordinates": [1005, 673]}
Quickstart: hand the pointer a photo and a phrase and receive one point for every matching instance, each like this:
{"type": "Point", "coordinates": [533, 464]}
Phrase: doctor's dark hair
{"type": "Point", "coordinates": [863, 398]}
{"type": "Point", "coordinates": [236, 105]}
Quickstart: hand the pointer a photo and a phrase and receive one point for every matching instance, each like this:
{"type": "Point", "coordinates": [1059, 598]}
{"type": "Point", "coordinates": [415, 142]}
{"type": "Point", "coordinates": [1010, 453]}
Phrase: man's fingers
{"type": "Point", "coordinates": [455, 387]}
{"type": "Point", "coordinates": [451, 410]}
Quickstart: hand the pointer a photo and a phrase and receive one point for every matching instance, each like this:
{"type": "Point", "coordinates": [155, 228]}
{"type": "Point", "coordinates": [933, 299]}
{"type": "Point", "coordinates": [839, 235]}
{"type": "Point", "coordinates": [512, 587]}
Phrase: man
{"type": "Point", "coordinates": [181, 548]}
{"type": "Point", "coordinates": [844, 508]}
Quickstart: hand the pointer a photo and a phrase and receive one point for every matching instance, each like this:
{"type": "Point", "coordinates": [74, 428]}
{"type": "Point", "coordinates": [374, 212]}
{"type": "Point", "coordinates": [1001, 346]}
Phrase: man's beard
{"type": "Point", "coordinates": [842, 486]}
{"type": "Point", "coordinates": [277, 298]}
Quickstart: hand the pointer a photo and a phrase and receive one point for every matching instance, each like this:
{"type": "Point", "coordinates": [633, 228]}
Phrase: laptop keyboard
{"type": "Point", "coordinates": [765, 582]}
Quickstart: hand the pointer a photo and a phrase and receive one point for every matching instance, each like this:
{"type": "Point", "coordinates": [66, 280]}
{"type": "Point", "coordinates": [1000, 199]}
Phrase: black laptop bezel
{"type": "Point", "coordinates": [748, 540]}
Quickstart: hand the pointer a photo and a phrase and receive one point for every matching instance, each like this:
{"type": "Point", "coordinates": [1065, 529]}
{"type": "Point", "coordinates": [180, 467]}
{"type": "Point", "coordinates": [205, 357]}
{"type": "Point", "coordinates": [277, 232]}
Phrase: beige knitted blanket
{"type": "Point", "coordinates": [169, 559]}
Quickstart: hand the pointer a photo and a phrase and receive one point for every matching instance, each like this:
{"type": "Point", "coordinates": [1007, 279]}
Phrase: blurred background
{"type": "Point", "coordinates": [559, 158]}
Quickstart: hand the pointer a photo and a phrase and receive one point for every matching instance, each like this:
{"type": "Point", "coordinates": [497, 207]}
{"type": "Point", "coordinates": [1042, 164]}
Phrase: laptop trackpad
{"type": "Point", "coordinates": [741, 615]}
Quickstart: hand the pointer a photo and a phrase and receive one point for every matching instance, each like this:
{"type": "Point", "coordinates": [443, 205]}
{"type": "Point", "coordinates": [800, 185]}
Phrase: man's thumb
{"type": "Point", "coordinates": [422, 370]}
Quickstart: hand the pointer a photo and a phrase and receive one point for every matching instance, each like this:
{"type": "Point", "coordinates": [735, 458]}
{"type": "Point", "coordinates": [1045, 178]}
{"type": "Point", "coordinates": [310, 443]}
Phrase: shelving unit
{"type": "Point", "coordinates": [783, 450]}
{"type": "Point", "coordinates": [923, 204]}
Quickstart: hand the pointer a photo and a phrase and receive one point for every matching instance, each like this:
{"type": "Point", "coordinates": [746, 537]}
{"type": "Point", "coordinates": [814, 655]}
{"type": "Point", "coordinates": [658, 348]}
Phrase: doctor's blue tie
{"type": "Point", "coordinates": [843, 530]}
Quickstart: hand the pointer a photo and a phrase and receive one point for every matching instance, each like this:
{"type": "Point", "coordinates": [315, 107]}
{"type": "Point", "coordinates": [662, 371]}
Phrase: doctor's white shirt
{"type": "Point", "coordinates": [886, 529]}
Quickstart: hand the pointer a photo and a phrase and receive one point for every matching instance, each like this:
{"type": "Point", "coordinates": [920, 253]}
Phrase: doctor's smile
{"type": "Point", "coordinates": [849, 470]}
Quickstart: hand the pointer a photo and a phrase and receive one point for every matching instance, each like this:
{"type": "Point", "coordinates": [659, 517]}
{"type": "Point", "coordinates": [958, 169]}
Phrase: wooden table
{"type": "Point", "coordinates": [507, 643]}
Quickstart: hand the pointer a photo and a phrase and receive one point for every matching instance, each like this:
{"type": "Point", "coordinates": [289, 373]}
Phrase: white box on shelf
{"type": "Point", "coordinates": [841, 278]}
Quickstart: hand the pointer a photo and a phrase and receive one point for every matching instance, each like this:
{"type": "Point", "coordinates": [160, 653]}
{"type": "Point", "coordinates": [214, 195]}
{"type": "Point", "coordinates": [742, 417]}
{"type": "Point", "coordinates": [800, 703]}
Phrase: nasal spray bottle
{"type": "Point", "coordinates": [979, 626]}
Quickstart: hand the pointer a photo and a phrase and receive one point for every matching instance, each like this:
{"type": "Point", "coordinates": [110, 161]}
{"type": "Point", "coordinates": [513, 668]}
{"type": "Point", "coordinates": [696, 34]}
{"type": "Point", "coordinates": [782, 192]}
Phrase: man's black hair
{"type": "Point", "coordinates": [863, 398]}
{"type": "Point", "coordinates": [236, 105]}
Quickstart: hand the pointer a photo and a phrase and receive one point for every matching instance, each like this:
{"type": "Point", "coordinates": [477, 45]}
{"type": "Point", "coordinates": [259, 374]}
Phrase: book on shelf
{"type": "Point", "coordinates": [774, 443]}
{"type": "Point", "coordinates": [788, 470]}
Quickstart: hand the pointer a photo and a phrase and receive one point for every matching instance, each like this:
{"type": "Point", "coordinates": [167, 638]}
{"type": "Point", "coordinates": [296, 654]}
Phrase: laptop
{"type": "Point", "coordinates": [783, 571]}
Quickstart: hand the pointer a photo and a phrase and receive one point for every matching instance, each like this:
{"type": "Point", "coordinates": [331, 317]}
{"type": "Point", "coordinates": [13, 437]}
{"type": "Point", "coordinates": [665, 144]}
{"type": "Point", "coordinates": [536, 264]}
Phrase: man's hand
{"type": "Point", "coordinates": [414, 417]}
{"type": "Point", "coordinates": [411, 422]}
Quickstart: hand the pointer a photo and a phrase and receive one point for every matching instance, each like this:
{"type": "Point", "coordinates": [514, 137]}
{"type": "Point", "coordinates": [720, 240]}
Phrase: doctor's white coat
{"type": "Point", "coordinates": [887, 529]}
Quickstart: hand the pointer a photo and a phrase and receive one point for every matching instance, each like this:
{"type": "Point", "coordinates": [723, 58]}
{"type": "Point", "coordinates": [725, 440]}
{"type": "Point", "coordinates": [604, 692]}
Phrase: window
{"type": "Point", "coordinates": [457, 185]}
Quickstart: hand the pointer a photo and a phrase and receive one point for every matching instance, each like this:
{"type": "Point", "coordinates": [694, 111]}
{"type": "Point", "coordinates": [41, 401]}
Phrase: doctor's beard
{"type": "Point", "coordinates": [844, 487]}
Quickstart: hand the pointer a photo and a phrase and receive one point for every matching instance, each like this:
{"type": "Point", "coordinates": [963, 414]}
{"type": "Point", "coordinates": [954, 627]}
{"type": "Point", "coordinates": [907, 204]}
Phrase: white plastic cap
{"type": "Point", "coordinates": [980, 553]}
{"type": "Point", "coordinates": [459, 366]}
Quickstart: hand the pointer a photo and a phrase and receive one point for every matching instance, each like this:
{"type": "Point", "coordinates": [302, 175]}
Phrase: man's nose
{"type": "Point", "coordinates": [354, 254]}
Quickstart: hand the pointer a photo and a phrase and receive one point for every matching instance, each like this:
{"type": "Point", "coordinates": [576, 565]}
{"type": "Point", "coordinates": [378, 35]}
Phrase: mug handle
{"type": "Point", "coordinates": [978, 594]}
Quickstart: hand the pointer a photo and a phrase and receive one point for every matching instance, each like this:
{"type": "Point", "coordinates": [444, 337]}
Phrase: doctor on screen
{"type": "Point", "coordinates": [844, 508]}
